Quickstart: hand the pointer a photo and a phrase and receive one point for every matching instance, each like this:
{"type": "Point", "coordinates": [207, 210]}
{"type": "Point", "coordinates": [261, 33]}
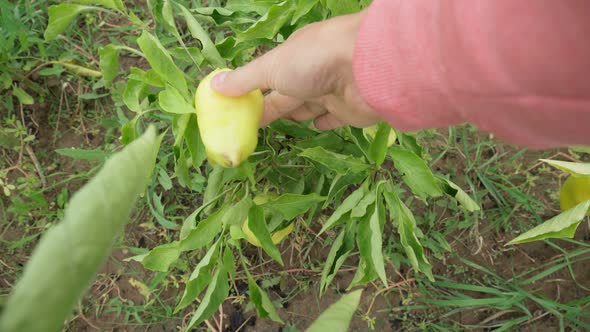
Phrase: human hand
{"type": "Point", "coordinates": [310, 76]}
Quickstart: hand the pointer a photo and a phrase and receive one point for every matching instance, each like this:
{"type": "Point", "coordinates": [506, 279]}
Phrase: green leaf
{"type": "Point", "coordinates": [228, 262]}
{"type": "Point", "coordinates": [340, 183]}
{"type": "Point", "coordinates": [347, 205]}
{"type": "Point", "coordinates": [303, 7]}
{"type": "Point", "coordinates": [81, 154]}
{"type": "Point", "coordinates": [162, 63]}
{"type": "Point", "coordinates": [361, 209]}
{"type": "Point", "coordinates": [364, 274]}
{"type": "Point", "coordinates": [23, 97]}
{"type": "Point", "coordinates": [409, 142]}
{"type": "Point", "coordinates": [132, 94]}
{"type": "Point", "coordinates": [270, 23]}
{"type": "Point", "coordinates": [370, 241]}
{"type": "Point", "coordinates": [209, 50]}
{"type": "Point", "coordinates": [216, 293]}
{"type": "Point", "coordinates": [339, 163]}
{"type": "Point", "coordinates": [342, 7]}
{"type": "Point", "coordinates": [194, 142]}
{"type": "Point", "coordinates": [264, 306]}
{"type": "Point", "coordinates": [230, 49]}
{"type": "Point", "coordinates": [292, 205]}
{"type": "Point", "coordinates": [357, 136]}
{"type": "Point", "coordinates": [157, 210]}
{"type": "Point", "coordinates": [292, 128]}
{"type": "Point", "coordinates": [181, 168]}
{"type": "Point", "coordinates": [159, 258]}
{"type": "Point", "coordinates": [129, 130]}
{"type": "Point", "coordinates": [376, 223]}
{"type": "Point", "coordinates": [338, 316]}
{"type": "Point", "coordinates": [172, 101]}
{"type": "Point", "coordinates": [204, 233]}
{"type": "Point", "coordinates": [72, 252]}
{"type": "Point", "coordinates": [378, 147]}
{"type": "Point", "coordinates": [149, 77]}
{"type": "Point", "coordinates": [222, 17]}
{"type": "Point", "coordinates": [60, 17]}
{"type": "Point", "coordinates": [574, 168]}
{"type": "Point", "coordinates": [236, 214]}
{"type": "Point", "coordinates": [214, 185]}
{"type": "Point", "coordinates": [329, 140]}
{"type": "Point", "coordinates": [9, 139]}
{"type": "Point", "coordinates": [580, 149]}
{"type": "Point", "coordinates": [341, 249]}
{"type": "Point", "coordinates": [258, 6]}
{"type": "Point", "coordinates": [416, 174]}
{"type": "Point", "coordinates": [406, 225]}
{"type": "Point", "coordinates": [563, 225]}
{"type": "Point", "coordinates": [111, 4]}
{"type": "Point", "coordinates": [455, 191]}
{"type": "Point", "coordinates": [179, 125]}
{"type": "Point", "coordinates": [168, 20]}
{"type": "Point", "coordinates": [258, 226]}
{"type": "Point", "coordinates": [109, 63]}
{"type": "Point", "coordinates": [200, 277]}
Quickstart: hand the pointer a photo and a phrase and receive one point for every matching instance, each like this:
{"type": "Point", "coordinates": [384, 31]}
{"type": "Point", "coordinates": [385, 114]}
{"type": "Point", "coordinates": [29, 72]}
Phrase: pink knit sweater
{"type": "Point", "coordinates": [518, 69]}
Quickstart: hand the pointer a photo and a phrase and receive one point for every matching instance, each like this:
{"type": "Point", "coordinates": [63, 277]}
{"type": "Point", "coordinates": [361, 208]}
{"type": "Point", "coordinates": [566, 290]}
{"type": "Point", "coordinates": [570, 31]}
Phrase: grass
{"type": "Point", "coordinates": [481, 285]}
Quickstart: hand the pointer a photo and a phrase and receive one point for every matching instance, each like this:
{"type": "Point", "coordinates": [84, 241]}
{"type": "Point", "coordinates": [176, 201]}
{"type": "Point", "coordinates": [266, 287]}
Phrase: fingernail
{"type": "Point", "coordinates": [218, 79]}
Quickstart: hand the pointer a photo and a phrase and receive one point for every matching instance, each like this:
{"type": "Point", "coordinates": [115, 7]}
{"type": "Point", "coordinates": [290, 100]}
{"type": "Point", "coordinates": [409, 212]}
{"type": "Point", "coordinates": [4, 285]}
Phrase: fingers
{"type": "Point", "coordinates": [252, 76]}
{"type": "Point", "coordinates": [277, 106]}
{"type": "Point", "coordinates": [307, 111]}
{"type": "Point", "coordinates": [328, 121]}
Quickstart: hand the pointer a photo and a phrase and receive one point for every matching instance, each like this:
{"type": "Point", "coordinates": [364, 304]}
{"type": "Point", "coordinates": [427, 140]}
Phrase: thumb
{"type": "Point", "coordinates": [242, 80]}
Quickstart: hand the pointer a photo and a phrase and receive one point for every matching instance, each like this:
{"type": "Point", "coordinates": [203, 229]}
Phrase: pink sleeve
{"type": "Point", "coordinates": [517, 69]}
